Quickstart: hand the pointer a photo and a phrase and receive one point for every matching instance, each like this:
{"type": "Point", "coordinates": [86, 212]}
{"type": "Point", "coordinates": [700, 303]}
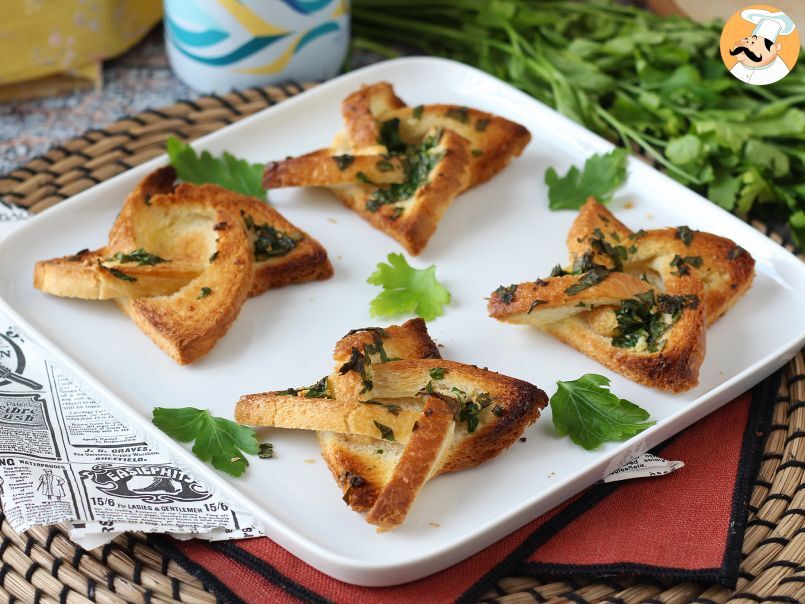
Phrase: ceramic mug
{"type": "Point", "coordinates": [217, 45]}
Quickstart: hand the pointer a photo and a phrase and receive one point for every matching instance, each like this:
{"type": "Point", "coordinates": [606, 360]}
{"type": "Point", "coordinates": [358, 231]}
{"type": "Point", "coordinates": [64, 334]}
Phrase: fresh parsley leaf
{"type": "Point", "coordinates": [601, 177]}
{"type": "Point", "coordinates": [407, 290]}
{"type": "Point", "coordinates": [217, 440]}
{"type": "Point", "coordinates": [590, 414]}
{"type": "Point", "coordinates": [266, 451]}
{"type": "Point", "coordinates": [226, 171]}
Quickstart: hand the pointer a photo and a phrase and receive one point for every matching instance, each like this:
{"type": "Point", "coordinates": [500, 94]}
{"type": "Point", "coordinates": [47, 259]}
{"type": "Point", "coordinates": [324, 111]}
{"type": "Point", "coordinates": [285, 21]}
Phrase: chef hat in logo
{"type": "Point", "coordinates": [769, 24]}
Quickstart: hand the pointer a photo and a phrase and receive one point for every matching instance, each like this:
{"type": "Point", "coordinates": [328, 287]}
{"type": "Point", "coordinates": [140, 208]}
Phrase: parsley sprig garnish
{"type": "Point", "coordinates": [587, 411]}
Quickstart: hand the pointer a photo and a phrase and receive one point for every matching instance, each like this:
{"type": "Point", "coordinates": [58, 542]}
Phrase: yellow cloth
{"type": "Point", "coordinates": [47, 38]}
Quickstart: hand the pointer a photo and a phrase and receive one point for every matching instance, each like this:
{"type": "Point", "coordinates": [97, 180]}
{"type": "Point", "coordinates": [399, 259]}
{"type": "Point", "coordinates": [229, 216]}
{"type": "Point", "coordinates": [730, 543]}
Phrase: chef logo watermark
{"type": "Point", "coordinates": [760, 45]}
{"type": "Point", "coordinates": [151, 484]}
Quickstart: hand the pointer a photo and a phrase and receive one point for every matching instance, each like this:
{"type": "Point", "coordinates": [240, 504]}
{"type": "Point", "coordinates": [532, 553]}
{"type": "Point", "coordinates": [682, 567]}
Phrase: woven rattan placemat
{"type": "Point", "coordinates": [43, 565]}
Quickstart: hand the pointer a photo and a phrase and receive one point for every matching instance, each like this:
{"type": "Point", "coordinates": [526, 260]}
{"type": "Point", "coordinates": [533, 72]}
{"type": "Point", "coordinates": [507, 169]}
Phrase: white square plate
{"type": "Point", "coordinates": [499, 233]}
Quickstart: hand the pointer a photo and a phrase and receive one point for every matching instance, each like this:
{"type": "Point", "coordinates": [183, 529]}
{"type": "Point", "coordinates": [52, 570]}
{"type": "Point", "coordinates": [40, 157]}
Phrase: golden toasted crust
{"type": "Point", "coordinates": [360, 111]}
{"type": "Point", "coordinates": [494, 140]}
{"type": "Point", "coordinates": [704, 271]}
{"type": "Point", "coordinates": [188, 323]}
{"type": "Point", "coordinates": [91, 275]}
{"type": "Point", "coordinates": [342, 416]}
{"type": "Point", "coordinates": [422, 212]}
{"type": "Point", "coordinates": [323, 169]}
{"type": "Point", "coordinates": [355, 462]}
{"type": "Point", "coordinates": [476, 146]}
{"type": "Point", "coordinates": [726, 270]}
{"type": "Point", "coordinates": [546, 301]}
{"type": "Point", "coordinates": [421, 458]}
{"type": "Point", "coordinates": [212, 239]}
{"type": "Point", "coordinates": [515, 404]}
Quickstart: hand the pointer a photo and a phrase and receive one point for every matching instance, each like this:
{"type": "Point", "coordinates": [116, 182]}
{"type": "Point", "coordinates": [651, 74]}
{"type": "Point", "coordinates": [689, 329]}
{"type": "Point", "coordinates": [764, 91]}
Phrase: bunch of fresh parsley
{"type": "Point", "coordinates": [641, 80]}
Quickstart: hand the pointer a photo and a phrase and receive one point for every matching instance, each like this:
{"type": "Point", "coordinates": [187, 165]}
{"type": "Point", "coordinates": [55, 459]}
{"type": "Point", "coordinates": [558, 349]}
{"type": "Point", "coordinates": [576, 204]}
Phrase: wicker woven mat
{"type": "Point", "coordinates": [43, 565]}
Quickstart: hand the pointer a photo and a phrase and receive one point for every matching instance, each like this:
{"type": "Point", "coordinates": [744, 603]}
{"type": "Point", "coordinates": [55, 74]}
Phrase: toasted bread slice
{"type": "Point", "coordinates": [725, 269]}
{"type": "Point", "coordinates": [322, 169]}
{"type": "Point", "coordinates": [298, 412]}
{"type": "Point", "coordinates": [423, 456]}
{"type": "Point", "coordinates": [472, 147]}
{"type": "Point", "coordinates": [687, 280]}
{"type": "Point", "coordinates": [363, 466]}
{"type": "Point", "coordinates": [283, 254]}
{"type": "Point", "coordinates": [188, 323]}
{"type": "Point", "coordinates": [96, 275]}
{"type": "Point", "coordinates": [494, 140]}
{"type": "Point", "coordinates": [411, 217]}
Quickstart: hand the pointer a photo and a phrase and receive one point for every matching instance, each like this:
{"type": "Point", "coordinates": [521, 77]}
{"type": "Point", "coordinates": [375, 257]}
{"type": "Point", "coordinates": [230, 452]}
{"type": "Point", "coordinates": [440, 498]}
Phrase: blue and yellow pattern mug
{"type": "Point", "coordinates": [218, 45]}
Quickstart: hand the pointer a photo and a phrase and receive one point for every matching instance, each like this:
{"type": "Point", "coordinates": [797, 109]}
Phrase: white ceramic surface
{"type": "Point", "coordinates": [499, 233]}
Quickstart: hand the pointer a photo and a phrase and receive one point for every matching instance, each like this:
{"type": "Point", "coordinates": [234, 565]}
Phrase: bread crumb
{"type": "Point", "coordinates": [523, 439]}
{"type": "Point", "coordinates": [333, 220]}
{"type": "Point", "coordinates": [628, 205]}
{"type": "Point", "coordinates": [650, 216]}
{"type": "Point", "coordinates": [310, 461]}
{"type": "Point", "coordinates": [339, 257]}
{"type": "Point", "coordinates": [434, 524]}
{"type": "Point", "coordinates": [552, 475]}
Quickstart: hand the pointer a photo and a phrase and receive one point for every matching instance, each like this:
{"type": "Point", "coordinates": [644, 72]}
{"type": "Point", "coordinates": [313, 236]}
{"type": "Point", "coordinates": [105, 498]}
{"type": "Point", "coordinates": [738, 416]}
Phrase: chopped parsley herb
{"type": "Point", "coordinates": [393, 409]}
{"type": "Point", "coordinates": [681, 263]}
{"type": "Point", "coordinates": [396, 213]}
{"type": "Point", "coordinates": [361, 177]}
{"type": "Point", "coordinates": [117, 273]}
{"type": "Point", "coordinates": [436, 373]}
{"type": "Point", "coordinates": [644, 319]}
{"type": "Point", "coordinates": [268, 241]}
{"type": "Point", "coordinates": [385, 165]}
{"type": "Point", "coordinates": [460, 114]}
{"type": "Point", "coordinates": [477, 152]}
{"type": "Point", "coordinates": [534, 304]}
{"type": "Point", "coordinates": [343, 161]}
{"type": "Point", "coordinates": [138, 256]}
{"type": "Point", "coordinates": [205, 291]}
{"type": "Point", "coordinates": [213, 256]}
{"type": "Point", "coordinates": [357, 362]}
{"type": "Point", "coordinates": [390, 136]}
{"type": "Point", "coordinates": [558, 271]}
{"type": "Point", "coordinates": [287, 392]}
{"type": "Point", "coordinates": [417, 112]}
{"type": "Point", "coordinates": [147, 199]}
{"type": "Point", "coordinates": [318, 390]}
{"type": "Point", "coordinates": [617, 253]}
{"type": "Point", "coordinates": [685, 234]}
{"type": "Point", "coordinates": [468, 410]}
{"type": "Point", "coordinates": [379, 452]}
{"type": "Point", "coordinates": [481, 124]}
{"type": "Point", "coordinates": [266, 451]}
{"type": "Point", "coordinates": [498, 411]}
{"type": "Point", "coordinates": [506, 294]}
{"type": "Point", "coordinates": [418, 161]}
{"type": "Point", "coordinates": [637, 235]}
{"type": "Point", "coordinates": [78, 255]}
{"type": "Point", "coordinates": [592, 277]}
{"type": "Point", "coordinates": [429, 388]}
{"type": "Point", "coordinates": [385, 432]}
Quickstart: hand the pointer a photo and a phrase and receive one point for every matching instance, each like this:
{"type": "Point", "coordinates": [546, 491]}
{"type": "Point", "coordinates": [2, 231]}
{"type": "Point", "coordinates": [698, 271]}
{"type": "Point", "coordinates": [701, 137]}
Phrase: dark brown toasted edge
{"type": "Point", "coordinates": [360, 483]}
{"type": "Point", "coordinates": [420, 459]}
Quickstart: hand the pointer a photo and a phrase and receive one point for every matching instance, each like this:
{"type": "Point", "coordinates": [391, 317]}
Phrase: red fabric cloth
{"type": "Point", "coordinates": [665, 526]}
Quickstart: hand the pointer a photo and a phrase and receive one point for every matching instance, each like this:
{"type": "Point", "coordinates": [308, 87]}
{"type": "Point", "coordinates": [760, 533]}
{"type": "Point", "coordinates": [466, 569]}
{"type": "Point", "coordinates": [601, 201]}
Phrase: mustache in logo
{"type": "Point", "coordinates": [752, 56]}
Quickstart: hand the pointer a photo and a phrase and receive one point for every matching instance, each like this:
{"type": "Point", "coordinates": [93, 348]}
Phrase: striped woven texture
{"type": "Point", "coordinates": [42, 565]}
